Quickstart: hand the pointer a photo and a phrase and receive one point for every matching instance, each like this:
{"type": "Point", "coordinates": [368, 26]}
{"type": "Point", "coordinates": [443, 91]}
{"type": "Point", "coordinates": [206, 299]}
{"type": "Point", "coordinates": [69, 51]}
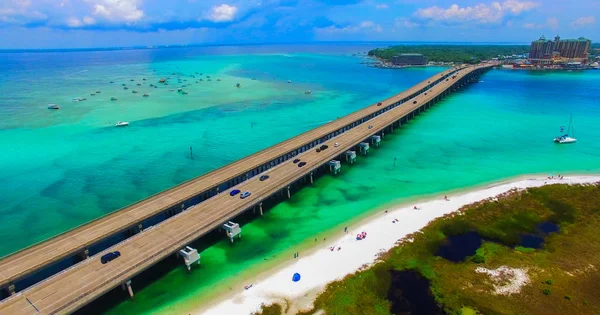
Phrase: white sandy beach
{"type": "Point", "coordinates": [323, 265]}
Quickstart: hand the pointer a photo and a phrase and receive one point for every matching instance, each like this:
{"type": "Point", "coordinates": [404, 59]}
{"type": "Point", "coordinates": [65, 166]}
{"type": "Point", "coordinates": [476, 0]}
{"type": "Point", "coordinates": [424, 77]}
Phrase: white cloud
{"type": "Point", "coordinates": [76, 22]}
{"type": "Point", "coordinates": [362, 27]}
{"type": "Point", "coordinates": [223, 13]}
{"type": "Point", "coordinates": [551, 23]}
{"type": "Point", "coordinates": [381, 6]}
{"type": "Point", "coordinates": [16, 11]}
{"type": "Point", "coordinates": [118, 10]}
{"type": "Point", "coordinates": [583, 21]}
{"type": "Point", "coordinates": [480, 13]}
{"type": "Point", "coordinates": [405, 23]}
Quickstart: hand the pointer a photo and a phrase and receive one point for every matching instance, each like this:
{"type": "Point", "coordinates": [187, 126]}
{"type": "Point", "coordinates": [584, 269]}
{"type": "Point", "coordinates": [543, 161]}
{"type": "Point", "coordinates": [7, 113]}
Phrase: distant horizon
{"type": "Point", "coordinates": [141, 47]}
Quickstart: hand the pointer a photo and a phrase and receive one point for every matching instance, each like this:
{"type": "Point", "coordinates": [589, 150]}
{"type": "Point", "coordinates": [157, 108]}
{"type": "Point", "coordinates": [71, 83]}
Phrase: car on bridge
{"type": "Point", "coordinates": [264, 178]}
{"type": "Point", "coordinates": [414, 102]}
{"type": "Point", "coordinates": [106, 258]}
{"type": "Point", "coordinates": [323, 147]}
{"type": "Point", "coordinates": [301, 164]}
{"type": "Point", "coordinates": [318, 150]}
{"type": "Point", "coordinates": [379, 104]}
{"type": "Point", "coordinates": [234, 192]}
{"type": "Point", "coordinates": [245, 195]}
{"type": "Point", "coordinates": [296, 161]}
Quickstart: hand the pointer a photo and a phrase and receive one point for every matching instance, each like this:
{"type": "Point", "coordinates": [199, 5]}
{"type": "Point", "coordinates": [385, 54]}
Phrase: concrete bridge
{"type": "Point", "coordinates": [64, 273]}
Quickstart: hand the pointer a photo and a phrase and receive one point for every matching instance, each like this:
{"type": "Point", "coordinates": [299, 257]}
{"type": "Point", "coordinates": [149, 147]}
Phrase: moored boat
{"type": "Point", "coordinates": [53, 106]}
{"type": "Point", "coordinates": [565, 138]}
{"type": "Point", "coordinates": [121, 124]}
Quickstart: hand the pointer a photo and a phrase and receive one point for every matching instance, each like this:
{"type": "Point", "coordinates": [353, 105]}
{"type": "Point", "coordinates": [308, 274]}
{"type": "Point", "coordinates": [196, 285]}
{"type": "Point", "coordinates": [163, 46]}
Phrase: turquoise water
{"type": "Point", "coordinates": [62, 168]}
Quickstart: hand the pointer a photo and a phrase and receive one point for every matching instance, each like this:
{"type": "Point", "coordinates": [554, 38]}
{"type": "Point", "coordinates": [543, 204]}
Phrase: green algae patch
{"type": "Point", "coordinates": [501, 278]}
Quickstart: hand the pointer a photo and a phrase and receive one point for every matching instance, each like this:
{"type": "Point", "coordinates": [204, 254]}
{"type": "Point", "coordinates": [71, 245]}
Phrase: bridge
{"type": "Point", "coordinates": [64, 273]}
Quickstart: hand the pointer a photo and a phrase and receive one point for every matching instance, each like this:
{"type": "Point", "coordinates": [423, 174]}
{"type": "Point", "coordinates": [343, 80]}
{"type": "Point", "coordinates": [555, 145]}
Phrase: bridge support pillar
{"type": "Point", "coordinates": [311, 178]}
{"type": "Point", "coordinates": [127, 287]}
{"type": "Point", "coordinates": [260, 208]}
{"type": "Point", "coordinates": [288, 192]}
{"type": "Point", "coordinates": [10, 289]}
{"type": "Point", "coordinates": [84, 254]}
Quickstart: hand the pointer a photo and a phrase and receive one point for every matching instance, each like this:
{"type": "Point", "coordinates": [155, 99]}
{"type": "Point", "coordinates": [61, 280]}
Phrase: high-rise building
{"type": "Point", "coordinates": [546, 51]}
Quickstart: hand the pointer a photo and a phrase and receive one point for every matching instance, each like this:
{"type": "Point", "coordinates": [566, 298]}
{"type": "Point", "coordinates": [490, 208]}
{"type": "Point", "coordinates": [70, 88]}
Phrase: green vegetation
{"type": "Point", "coordinates": [452, 53]}
{"type": "Point", "coordinates": [273, 309]}
{"type": "Point", "coordinates": [568, 262]}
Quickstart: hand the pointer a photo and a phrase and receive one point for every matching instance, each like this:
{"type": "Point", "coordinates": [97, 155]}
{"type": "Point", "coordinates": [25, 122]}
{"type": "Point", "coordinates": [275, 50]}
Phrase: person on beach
{"type": "Point", "coordinates": [346, 230]}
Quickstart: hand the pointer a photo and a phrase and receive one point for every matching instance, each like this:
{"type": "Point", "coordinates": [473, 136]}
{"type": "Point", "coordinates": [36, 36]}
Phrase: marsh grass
{"type": "Point", "coordinates": [570, 258]}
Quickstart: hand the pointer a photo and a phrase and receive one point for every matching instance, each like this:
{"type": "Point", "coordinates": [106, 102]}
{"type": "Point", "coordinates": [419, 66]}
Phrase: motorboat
{"type": "Point", "coordinates": [121, 124]}
{"type": "Point", "coordinates": [238, 85]}
{"type": "Point", "coordinates": [565, 138]}
{"type": "Point", "coordinates": [146, 94]}
{"type": "Point", "coordinates": [307, 92]}
{"type": "Point", "coordinates": [289, 81]}
{"type": "Point", "coordinates": [113, 98]}
{"type": "Point", "coordinates": [53, 106]}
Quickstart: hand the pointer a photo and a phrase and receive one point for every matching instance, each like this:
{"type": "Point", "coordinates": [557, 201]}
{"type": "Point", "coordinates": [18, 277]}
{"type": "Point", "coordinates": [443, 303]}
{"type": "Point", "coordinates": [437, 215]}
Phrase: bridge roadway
{"type": "Point", "coordinates": [73, 288]}
{"type": "Point", "coordinates": [35, 257]}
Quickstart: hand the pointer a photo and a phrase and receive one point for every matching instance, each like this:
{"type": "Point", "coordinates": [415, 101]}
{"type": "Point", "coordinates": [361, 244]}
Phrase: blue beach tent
{"type": "Point", "coordinates": [296, 277]}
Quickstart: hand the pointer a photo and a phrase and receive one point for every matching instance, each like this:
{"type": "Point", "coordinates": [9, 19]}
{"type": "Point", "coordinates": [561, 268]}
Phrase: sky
{"type": "Point", "coordinates": [123, 23]}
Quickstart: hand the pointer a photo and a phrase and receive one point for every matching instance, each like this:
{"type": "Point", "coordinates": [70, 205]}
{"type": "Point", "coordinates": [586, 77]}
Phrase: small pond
{"type": "Point", "coordinates": [459, 247]}
{"type": "Point", "coordinates": [409, 293]}
{"type": "Point", "coordinates": [537, 239]}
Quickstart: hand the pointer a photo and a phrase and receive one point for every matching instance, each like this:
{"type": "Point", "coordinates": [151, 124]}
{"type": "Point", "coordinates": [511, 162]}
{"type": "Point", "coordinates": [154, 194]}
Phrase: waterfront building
{"type": "Point", "coordinates": [409, 60]}
{"type": "Point", "coordinates": [547, 52]}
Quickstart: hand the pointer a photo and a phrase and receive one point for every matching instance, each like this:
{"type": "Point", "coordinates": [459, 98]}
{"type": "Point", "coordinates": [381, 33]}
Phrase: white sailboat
{"type": "Point", "coordinates": [566, 138]}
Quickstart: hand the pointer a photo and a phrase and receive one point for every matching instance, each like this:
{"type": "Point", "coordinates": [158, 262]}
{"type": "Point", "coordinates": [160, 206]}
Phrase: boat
{"type": "Point", "coordinates": [53, 106]}
{"type": "Point", "coordinates": [134, 91]}
{"type": "Point", "coordinates": [307, 92]}
{"type": "Point", "coordinates": [218, 79]}
{"type": "Point", "coordinates": [289, 81]}
{"type": "Point", "coordinates": [566, 138]}
{"type": "Point", "coordinates": [98, 92]}
{"type": "Point", "coordinates": [121, 124]}
{"type": "Point", "coordinates": [113, 98]}
{"type": "Point", "coordinates": [238, 85]}
{"type": "Point", "coordinates": [146, 94]}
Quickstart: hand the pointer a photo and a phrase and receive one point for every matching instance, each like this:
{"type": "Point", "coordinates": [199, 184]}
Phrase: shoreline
{"type": "Point", "coordinates": [318, 265]}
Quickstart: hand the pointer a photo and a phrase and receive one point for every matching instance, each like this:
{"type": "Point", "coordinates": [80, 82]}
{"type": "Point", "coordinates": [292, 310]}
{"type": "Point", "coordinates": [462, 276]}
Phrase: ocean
{"type": "Point", "coordinates": [60, 169]}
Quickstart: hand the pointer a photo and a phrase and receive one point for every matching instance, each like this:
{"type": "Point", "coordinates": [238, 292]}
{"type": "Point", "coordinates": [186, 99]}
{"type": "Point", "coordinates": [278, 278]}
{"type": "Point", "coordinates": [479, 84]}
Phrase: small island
{"type": "Point", "coordinates": [450, 54]}
{"type": "Point", "coordinates": [541, 54]}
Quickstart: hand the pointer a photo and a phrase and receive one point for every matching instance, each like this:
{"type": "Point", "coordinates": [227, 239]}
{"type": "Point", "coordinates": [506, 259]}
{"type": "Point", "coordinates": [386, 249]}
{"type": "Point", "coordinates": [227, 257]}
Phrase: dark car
{"type": "Point", "coordinates": [425, 93]}
{"type": "Point", "coordinates": [379, 104]}
{"type": "Point", "coordinates": [234, 192]}
{"type": "Point", "coordinates": [296, 161]}
{"type": "Point", "coordinates": [106, 258]}
{"type": "Point", "coordinates": [414, 102]}
{"type": "Point", "coordinates": [323, 147]}
{"type": "Point", "coordinates": [301, 164]}
{"type": "Point", "coordinates": [264, 177]}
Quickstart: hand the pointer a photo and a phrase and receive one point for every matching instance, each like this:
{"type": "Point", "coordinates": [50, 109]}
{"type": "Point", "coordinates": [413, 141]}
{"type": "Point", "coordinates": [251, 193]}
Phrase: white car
{"type": "Point", "coordinates": [336, 144]}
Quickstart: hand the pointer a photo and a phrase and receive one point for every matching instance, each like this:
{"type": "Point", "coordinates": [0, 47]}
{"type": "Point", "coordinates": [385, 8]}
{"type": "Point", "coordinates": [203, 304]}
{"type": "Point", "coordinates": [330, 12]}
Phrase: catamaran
{"type": "Point", "coordinates": [566, 138]}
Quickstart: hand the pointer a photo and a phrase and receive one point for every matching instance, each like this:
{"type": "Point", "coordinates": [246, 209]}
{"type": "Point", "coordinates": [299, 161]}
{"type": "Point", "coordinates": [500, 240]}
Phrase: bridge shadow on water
{"type": "Point", "coordinates": [171, 263]}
